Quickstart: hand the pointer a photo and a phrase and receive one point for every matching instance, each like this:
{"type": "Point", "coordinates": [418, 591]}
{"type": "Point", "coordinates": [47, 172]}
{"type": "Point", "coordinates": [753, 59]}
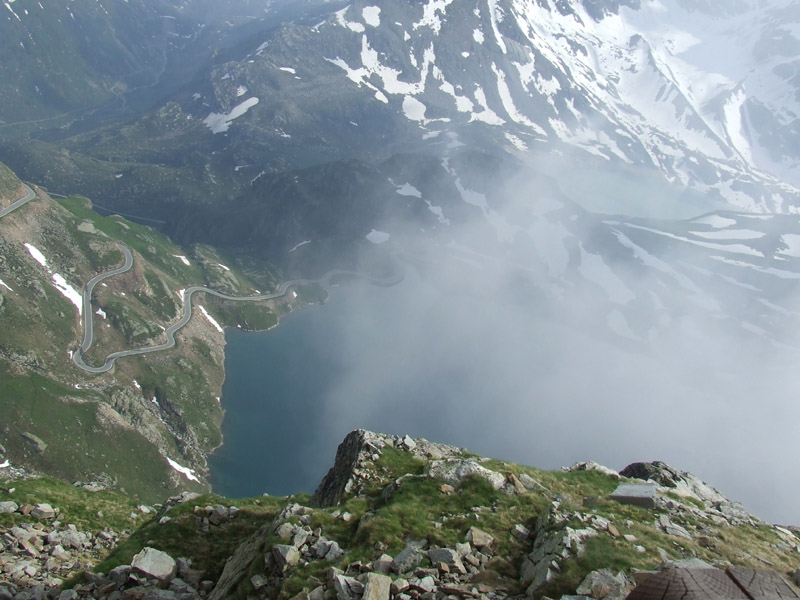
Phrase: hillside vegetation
{"type": "Point", "coordinates": [399, 518]}
{"type": "Point", "coordinates": [121, 427]}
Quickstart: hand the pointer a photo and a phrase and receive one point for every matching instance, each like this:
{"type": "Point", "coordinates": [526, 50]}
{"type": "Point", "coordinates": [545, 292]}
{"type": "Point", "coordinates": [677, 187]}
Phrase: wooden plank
{"type": "Point", "coordinates": [688, 584]}
{"type": "Point", "coordinates": [761, 584]}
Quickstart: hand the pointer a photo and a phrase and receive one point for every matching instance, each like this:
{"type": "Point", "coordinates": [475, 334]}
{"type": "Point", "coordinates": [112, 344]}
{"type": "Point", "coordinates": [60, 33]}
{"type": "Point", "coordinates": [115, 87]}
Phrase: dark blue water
{"type": "Point", "coordinates": [279, 437]}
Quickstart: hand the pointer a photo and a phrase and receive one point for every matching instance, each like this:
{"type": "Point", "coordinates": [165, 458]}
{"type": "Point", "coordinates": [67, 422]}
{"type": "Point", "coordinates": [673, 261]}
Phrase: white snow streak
{"type": "Point", "coordinates": [220, 122]}
{"type": "Point", "coordinates": [189, 473]}
{"type": "Point", "coordinates": [211, 319]}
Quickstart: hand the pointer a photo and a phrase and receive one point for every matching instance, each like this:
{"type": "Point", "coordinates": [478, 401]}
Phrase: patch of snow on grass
{"type": "Point", "coordinates": [221, 266]}
{"type": "Point", "coordinates": [69, 292]}
{"type": "Point", "coordinates": [477, 35]}
{"type": "Point", "coordinates": [211, 319]}
{"type": "Point", "coordinates": [189, 473]}
{"type": "Point", "coordinates": [101, 313]}
{"type": "Point", "coordinates": [5, 285]}
{"type": "Point", "coordinates": [183, 259]}
{"type": "Point", "coordinates": [372, 15]}
{"type": "Point", "coordinates": [288, 70]}
{"type": "Point", "coordinates": [378, 237]}
{"type": "Point", "coordinates": [518, 143]}
{"type": "Point", "coordinates": [5, 465]}
{"type": "Point", "coordinates": [357, 27]}
{"type": "Point", "coordinates": [241, 91]}
{"type": "Point", "coordinates": [220, 122]}
{"type": "Point", "coordinates": [36, 254]}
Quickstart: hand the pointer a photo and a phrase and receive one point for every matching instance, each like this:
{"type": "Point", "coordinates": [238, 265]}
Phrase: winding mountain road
{"type": "Point", "coordinates": [29, 195]}
{"type": "Point", "coordinates": [88, 335]}
{"type": "Point", "coordinates": [88, 290]}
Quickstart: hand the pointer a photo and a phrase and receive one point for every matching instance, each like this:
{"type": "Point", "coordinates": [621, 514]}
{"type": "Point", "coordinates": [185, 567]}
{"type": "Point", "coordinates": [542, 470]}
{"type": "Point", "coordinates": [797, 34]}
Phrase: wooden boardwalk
{"type": "Point", "coordinates": [713, 584]}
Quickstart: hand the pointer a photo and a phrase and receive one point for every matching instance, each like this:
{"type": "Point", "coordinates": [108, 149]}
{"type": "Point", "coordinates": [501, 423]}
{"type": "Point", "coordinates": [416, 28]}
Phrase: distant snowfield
{"type": "Point", "coordinates": [221, 122]}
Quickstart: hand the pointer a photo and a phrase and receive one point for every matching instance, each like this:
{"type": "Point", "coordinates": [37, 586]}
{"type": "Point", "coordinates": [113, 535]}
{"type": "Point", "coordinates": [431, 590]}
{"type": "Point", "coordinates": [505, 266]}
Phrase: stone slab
{"type": "Point", "coordinates": [636, 494]}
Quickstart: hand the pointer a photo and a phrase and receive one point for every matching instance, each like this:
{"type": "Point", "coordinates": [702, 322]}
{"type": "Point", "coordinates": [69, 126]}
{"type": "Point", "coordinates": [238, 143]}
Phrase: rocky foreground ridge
{"type": "Point", "coordinates": [396, 518]}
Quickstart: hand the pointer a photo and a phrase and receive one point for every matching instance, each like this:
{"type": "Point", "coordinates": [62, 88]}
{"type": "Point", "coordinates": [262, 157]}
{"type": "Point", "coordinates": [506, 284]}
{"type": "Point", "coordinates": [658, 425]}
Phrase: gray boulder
{"type": "Point", "coordinates": [455, 470]}
{"type": "Point", "coordinates": [285, 556]}
{"type": "Point", "coordinates": [377, 587]}
{"type": "Point", "coordinates": [154, 563]}
{"type": "Point", "coordinates": [409, 558]}
{"type": "Point", "coordinates": [8, 507]}
{"type": "Point", "coordinates": [43, 511]}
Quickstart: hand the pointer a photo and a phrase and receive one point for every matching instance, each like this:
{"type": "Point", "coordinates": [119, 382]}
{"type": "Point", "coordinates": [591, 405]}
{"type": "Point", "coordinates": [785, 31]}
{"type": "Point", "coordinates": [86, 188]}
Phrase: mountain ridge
{"type": "Point", "coordinates": [406, 515]}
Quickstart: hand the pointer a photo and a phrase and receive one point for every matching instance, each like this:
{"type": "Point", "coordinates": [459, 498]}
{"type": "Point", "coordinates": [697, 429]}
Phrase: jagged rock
{"type": "Point", "coordinates": [285, 556]}
{"type": "Point", "coordinates": [334, 485]}
{"type": "Point", "coordinates": [520, 532]}
{"type": "Point", "coordinates": [602, 584]}
{"type": "Point", "coordinates": [120, 575]}
{"type": "Point", "coordinates": [8, 507]}
{"type": "Point", "coordinates": [681, 482]}
{"type": "Point", "coordinates": [334, 551]}
{"type": "Point", "coordinates": [382, 564]}
{"type": "Point", "coordinates": [455, 470]}
{"type": "Point", "coordinates": [409, 558]}
{"type": "Point", "coordinates": [377, 587]}
{"type": "Point", "coordinates": [154, 563]}
{"type": "Point", "coordinates": [671, 528]}
{"type": "Point", "coordinates": [479, 538]}
{"type": "Point", "coordinates": [258, 582]}
{"type": "Point", "coordinates": [68, 595]}
{"type": "Point", "coordinates": [399, 585]}
{"type": "Point", "coordinates": [285, 531]}
{"type": "Point", "coordinates": [43, 511]}
{"type": "Point", "coordinates": [448, 557]}
{"type": "Point", "coordinates": [34, 441]}
{"type": "Point", "coordinates": [238, 565]}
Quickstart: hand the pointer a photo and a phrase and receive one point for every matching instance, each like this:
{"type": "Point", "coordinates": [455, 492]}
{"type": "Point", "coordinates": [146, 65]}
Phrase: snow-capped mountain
{"type": "Point", "coordinates": [299, 141]}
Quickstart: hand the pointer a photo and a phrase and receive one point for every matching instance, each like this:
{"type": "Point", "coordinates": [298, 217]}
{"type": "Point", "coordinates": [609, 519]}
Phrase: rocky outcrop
{"type": "Point", "coordinates": [688, 485]}
{"type": "Point", "coordinates": [359, 448]}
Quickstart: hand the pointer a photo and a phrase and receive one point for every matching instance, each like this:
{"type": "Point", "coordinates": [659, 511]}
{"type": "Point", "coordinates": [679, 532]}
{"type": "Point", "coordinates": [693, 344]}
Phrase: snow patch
{"type": "Point", "coordinates": [36, 254]}
{"type": "Point", "coordinates": [69, 292]}
{"type": "Point", "coordinates": [101, 313]}
{"type": "Point", "coordinates": [372, 15]}
{"type": "Point", "coordinates": [5, 285]}
{"type": "Point", "coordinates": [183, 259]}
{"type": "Point", "coordinates": [220, 122]}
{"type": "Point", "coordinates": [288, 70]}
{"type": "Point", "coordinates": [210, 319]}
{"type": "Point", "coordinates": [189, 473]}
{"type": "Point", "coordinates": [413, 109]}
{"type": "Point", "coordinates": [409, 190]}
{"type": "Point", "coordinates": [730, 234]}
{"type": "Point", "coordinates": [791, 240]}
{"type": "Point", "coordinates": [241, 91]}
{"type": "Point", "coordinates": [223, 267]}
